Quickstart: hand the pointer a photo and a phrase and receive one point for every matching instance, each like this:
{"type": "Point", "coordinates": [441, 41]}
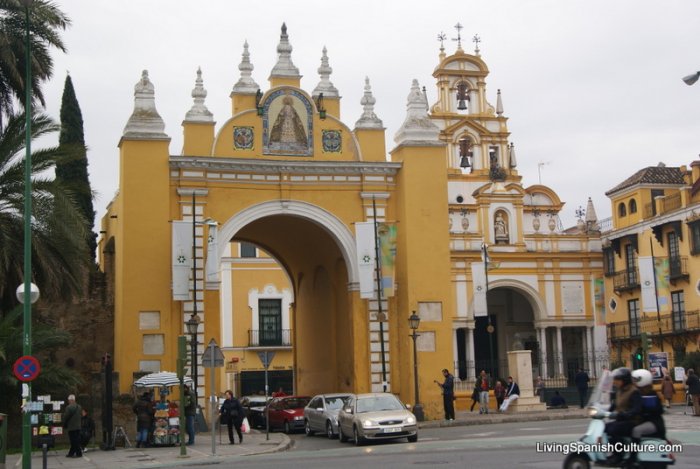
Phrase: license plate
{"type": "Point", "coordinates": [392, 429]}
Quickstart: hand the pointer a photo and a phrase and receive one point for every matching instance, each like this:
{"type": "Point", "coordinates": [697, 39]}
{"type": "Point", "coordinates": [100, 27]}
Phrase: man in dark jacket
{"type": "Point", "coordinates": [512, 394]}
{"type": "Point", "coordinates": [581, 379]}
{"type": "Point", "coordinates": [71, 422]}
{"type": "Point", "coordinates": [693, 385]}
{"type": "Point", "coordinates": [190, 405]}
{"type": "Point", "coordinates": [143, 408]}
{"type": "Point", "coordinates": [626, 410]}
{"type": "Point", "coordinates": [448, 394]}
{"type": "Point", "coordinates": [232, 414]}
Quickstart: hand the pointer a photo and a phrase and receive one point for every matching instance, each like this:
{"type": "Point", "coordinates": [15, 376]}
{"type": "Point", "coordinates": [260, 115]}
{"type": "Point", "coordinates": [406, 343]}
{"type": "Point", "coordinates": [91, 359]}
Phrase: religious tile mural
{"type": "Point", "coordinates": [243, 138]}
{"type": "Point", "coordinates": [287, 124]}
{"type": "Point", "coordinates": [332, 141]}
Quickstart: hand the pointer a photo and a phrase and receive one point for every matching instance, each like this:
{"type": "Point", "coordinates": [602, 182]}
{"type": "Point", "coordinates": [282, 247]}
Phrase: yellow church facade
{"type": "Point", "coordinates": [286, 178]}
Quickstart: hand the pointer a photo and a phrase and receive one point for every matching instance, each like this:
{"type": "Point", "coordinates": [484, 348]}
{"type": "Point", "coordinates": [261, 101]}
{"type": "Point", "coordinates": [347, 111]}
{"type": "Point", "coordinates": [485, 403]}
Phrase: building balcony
{"type": "Point", "coordinates": [270, 338]}
{"type": "Point", "coordinates": [627, 279]}
{"type": "Point", "coordinates": [671, 324]}
{"type": "Point", "coordinates": [678, 268]}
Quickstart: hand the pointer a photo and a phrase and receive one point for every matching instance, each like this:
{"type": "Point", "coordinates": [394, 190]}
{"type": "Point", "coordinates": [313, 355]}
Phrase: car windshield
{"type": "Point", "coordinates": [335, 402]}
{"type": "Point", "coordinates": [299, 403]}
{"type": "Point", "coordinates": [377, 404]}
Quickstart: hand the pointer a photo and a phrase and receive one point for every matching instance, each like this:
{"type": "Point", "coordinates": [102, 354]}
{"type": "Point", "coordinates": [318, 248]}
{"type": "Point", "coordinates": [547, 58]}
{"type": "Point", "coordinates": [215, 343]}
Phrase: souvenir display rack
{"type": "Point", "coordinates": [167, 425]}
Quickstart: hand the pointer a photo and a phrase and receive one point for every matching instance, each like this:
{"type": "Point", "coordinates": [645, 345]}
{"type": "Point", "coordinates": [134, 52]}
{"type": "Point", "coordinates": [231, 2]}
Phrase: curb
{"type": "Point", "coordinates": [500, 418]}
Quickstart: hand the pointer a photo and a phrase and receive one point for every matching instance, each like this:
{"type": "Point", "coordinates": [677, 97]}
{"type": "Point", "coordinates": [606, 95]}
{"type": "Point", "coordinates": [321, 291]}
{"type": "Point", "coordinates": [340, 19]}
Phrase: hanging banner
{"type": "Point", "coordinates": [599, 300]}
{"type": "Point", "coordinates": [212, 266]}
{"type": "Point", "coordinates": [364, 237]}
{"type": "Point", "coordinates": [181, 259]}
{"type": "Point", "coordinates": [663, 287]}
{"type": "Point", "coordinates": [646, 279]}
{"type": "Point", "coordinates": [479, 284]}
{"type": "Point", "coordinates": [387, 250]}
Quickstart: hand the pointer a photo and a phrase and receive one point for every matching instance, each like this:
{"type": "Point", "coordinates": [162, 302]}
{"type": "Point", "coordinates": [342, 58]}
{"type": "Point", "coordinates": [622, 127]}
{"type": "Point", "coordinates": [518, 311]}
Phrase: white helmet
{"type": "Point", "coordinates": [642, 378]}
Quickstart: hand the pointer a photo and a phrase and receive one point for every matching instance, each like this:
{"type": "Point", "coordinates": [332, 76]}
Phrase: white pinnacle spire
{"type": "Point", "coordinates": [325, 86]}
{"type": "Point", "coordinates": [199, 112]}
{"type": "Point", "coordinates": [499, 104]}
{"type": "Point", "coordinates": [246, 84]}
{"type": "Point", "coordinates": [145, 122]}
{"type": "Point", "coordinates": [369, 119]}
{"type": "Point", "coordinates": [417, 127]}
{"type": "Point", "coordinates": [284, 66]}
{"type": "Point", "coordinates": [591, 217]}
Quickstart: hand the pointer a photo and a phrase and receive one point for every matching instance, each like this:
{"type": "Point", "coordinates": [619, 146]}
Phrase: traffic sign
{"type": "Point", "coordinates": [212, 357]}
{"type": "Point", "coordinates": [26, 368]}
{"type": "Point", "coordinates": [266, 357]}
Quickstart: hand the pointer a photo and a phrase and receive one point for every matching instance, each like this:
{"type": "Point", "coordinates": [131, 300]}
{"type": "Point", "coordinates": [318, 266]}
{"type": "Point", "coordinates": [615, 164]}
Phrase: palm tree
{"type": "Point", "coordinates": [45, 22]}
{"type": "Point", "coordinates": [59, 250]}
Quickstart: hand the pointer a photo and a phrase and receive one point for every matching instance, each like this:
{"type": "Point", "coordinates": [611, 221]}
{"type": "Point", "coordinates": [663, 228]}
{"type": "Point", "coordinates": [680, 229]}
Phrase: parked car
{"type": "Point", "coordinates": [375, 416]}
{"type": "Point", "coordinates": [321, 414]}
{"type": "Point", "coordinates": [254, 407]}
{"type": "Point", "coordinates": [287, 412]}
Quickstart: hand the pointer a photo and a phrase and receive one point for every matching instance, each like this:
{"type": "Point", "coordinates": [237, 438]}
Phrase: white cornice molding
{"type": "Point", "coordinates": [290, 167]}
{"type": "Point", "coordinates": [638, 228]}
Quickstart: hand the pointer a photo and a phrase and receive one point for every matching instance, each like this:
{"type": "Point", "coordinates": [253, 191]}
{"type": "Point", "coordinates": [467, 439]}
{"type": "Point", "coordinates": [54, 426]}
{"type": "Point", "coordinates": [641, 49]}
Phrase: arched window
{"type": "Point", "coordinates": [621, 210]}
{"type": "Point", "coordinates": [633, 206]}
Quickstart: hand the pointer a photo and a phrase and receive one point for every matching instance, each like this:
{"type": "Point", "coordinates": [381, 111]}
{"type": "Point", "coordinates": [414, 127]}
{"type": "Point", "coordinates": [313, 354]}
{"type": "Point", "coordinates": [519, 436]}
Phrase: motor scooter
{"type": "Point", "coordinates": [593, 448]}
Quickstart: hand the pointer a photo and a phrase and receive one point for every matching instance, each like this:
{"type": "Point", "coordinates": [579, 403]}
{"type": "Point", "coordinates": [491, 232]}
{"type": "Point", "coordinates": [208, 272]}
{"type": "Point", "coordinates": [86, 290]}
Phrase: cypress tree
{"type": "Point", "coordinates": [72, 169]}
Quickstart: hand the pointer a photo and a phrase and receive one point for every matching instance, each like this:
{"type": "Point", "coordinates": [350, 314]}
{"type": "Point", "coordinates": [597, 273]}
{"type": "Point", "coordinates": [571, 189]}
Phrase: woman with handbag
{"type": "Point", "coordinates": [232, 415]}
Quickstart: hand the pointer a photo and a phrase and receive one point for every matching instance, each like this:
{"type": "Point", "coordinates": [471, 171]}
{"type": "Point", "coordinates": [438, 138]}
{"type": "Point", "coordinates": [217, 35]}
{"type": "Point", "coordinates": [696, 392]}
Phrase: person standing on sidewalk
{"type": "Point", "coordinates": [667, 390]}
{"type": "Point", "coordinates": [581, 380]}
{"type": "Point", "coordinates": [484, 385]}
{"type": "Point", "coordinates": [693, 385]}
{"type": "Point", "coordinates": [499, 392]}
{"type": "Point", "coordinates": [71, 422]}
{"type": "Point", "coordinates": [448, 394]}
{"type": "Point", "coordinates": [190, 407]}
{"type": "Point", "coordinates": [144, 410]}
{"type": "Point", "coordinates": [232, 414]}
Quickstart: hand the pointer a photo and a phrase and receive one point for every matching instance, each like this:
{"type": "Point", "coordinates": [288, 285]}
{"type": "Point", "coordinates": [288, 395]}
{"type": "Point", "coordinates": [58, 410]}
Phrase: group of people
{"type": "Point", "coordinates": [505, 394]}
{"type": "Point", "coordinates": [80, 427]}
{"type": "Point", "coordinates": [145, 410]}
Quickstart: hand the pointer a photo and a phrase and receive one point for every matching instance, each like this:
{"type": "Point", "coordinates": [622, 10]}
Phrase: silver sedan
{"type": "Point", "coordinates": [321, 414]}
{"type": "Point", "coordinates": [376, 416]}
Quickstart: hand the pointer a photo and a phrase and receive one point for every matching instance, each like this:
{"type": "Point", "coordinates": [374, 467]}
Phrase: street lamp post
{"type": "Point", "coordinates": [192, 328]}
{"type": "Point", "coordinates": [27, 290]}
{"type": "Point", "coordinates": [413, 323]}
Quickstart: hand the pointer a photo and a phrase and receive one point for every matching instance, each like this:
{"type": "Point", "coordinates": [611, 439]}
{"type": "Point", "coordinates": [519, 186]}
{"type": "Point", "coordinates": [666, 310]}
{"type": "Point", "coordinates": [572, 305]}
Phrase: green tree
{"type": "Point", "coordinates": [73, 171]}
{"type": "Point", "coordinates": [45, 23]}
{"type": "Point", "coordinates": [59, 249]}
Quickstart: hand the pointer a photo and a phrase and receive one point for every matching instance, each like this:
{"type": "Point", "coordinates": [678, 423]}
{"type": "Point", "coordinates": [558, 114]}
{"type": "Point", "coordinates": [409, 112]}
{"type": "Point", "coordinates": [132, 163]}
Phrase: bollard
{"type": "Point", "coordinates": [3, 440]}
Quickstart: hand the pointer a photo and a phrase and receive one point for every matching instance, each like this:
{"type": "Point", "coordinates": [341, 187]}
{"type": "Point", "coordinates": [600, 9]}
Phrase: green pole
{"type": "Point", "coordinates": [181, 357]}
{"type": "Point", "coordinates": [27, 339]}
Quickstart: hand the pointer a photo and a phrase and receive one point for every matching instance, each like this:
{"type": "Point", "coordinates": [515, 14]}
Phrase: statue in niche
{"type": "Point", "coordinates": [501, 229]}
{"type": "Point", "coordinates": [288, 130]}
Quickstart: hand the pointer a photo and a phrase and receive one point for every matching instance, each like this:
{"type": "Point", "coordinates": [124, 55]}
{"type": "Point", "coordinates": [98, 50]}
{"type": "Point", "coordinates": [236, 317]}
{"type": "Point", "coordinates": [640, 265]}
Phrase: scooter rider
{"type": "Point", "coordinates": [626, 410]}
{"type": "Point", "coordinates": [652, 407]}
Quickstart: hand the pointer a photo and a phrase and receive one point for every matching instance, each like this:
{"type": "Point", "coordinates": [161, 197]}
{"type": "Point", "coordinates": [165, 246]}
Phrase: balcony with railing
{"type": "Point", "coordinates": [665, 204]}
{"type": "Point", "coordinates": [627, 279]}
{"type": "Point", "coordinates": [270, 338]}
{"type": "Point", "coordinates": [678, 267]}
{"type": "Point", "coordinates": [675, 323]}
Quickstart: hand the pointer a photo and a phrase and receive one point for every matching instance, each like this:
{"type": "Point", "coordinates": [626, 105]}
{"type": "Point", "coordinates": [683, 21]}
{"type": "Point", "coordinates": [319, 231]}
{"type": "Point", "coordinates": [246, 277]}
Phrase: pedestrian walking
{"type": "Point", "coordinates": [87, 429]}
{"type": "Point", "coordinates": [232, 414]}
{"type": "Point", "coordinates": [475, 398]}
{"type": "Point", "coordinates": [483, 383]}
{"type": "Point", "coordinates": [499, 392]}
{"type": "Point", "coordinates": [581, 380]}
{"type": "Point", "coordinates": [448, 394]}
{"type": "Point", "coordinates": [692, 383]}
{"type": "Point", "coordinates": [145, 411]}
{"type": "Point", "coordinates": [512, 394]}
{"type": "Point", "coordinates": [667, 390]}
{"type": "Point", "coordinates": [71, 422]}
{"type": "Point", "coordinates": [190, 407]}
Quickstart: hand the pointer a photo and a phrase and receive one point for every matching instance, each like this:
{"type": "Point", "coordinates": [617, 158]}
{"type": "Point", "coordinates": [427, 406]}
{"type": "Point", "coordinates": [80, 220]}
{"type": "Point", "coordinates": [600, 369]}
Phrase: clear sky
{"type": "Point", "coordinates": [592, 88]}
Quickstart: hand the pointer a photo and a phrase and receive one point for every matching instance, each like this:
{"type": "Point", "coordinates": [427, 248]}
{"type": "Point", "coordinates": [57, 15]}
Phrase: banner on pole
{"type": "Point", "coordinates": [212, 266]}
{"type": "Point", "coordinates": [387, 251]}
{"type": "Point", "coordinates": [364, 238]}
{"type": "Point", "coordinates": [479, 284]}
{"type": "Point", "coordinates": [646, 278]}
{"type": "Point", "coordinates": [181, 259]}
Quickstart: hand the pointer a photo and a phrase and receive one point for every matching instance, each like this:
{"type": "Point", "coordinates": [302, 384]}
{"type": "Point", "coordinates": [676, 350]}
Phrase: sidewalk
{"type": "Point", "coordinates": [464, 417]}
{"type": "Point", "coordinates": [199, 453]}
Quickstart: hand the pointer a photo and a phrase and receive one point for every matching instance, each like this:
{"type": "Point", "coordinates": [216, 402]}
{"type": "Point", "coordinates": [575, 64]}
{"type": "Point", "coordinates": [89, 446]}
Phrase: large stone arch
{"type": "Point", "coordinates": [529, 293]}
{"type": "Point", "coordinates": [329, 222]}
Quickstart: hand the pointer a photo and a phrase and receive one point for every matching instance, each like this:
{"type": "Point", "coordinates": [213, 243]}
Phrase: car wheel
{"type": "Point", "coordinates": [341, 436]}
{"type": "Point", "coordinates": [576, 461]}
{"type": "Point", "coordinates": [287, 428]}
{"type": "Point", "coordinates": [412, 438]}
{"type": "Point", "coordinates": [329, 431]}
{"type": "Point", "coordinates": [307, 428]}
{"type": "Point", "coordinates": [356, 436]}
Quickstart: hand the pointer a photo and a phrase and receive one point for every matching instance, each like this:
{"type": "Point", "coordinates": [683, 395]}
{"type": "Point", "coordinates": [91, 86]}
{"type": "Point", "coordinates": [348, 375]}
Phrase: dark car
{"type": "Point", "coordinates": [287, 412]}
{"type": "Point", "coordinates": [254, 407]}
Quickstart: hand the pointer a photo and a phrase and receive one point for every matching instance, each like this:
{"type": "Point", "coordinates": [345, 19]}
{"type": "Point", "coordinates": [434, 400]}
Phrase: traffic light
{"type": "Point", "coordinates": [646, 342]}
{"type": "Point", "coordinates": [638, 359]}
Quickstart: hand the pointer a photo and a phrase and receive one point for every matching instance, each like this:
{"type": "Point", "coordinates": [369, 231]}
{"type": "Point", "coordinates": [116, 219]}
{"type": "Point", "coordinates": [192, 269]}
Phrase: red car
{"type": "Point", "coordinates": [287, 412]}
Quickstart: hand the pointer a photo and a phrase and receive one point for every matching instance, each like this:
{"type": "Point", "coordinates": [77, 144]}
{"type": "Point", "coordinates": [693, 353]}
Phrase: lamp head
{"type": "Point", "coordinates": [414, 321]}
{"type": "Point", "coordinates": [192, 324]}
{"type": "Point", "coordinates": [691, 79]}
{"type": "Point", "coordinates": [33, 293]}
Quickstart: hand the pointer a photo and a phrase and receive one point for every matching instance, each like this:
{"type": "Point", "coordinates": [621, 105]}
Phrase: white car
{"type": "Point", "coordinates": [321, 414]}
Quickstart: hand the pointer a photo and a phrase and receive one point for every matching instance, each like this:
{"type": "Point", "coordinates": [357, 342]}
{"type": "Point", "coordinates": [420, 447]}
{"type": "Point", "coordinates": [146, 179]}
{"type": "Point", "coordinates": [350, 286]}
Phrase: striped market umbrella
{"type": "Point", "coordinates": [160, 379]}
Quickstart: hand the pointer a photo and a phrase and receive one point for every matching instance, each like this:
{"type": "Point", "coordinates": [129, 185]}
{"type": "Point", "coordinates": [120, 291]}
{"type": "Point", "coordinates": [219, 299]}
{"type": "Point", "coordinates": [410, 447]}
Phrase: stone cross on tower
{"type": "Point", "coordinates": [459, 28]}
{"type": "Point", "coordinates": [476, 40]}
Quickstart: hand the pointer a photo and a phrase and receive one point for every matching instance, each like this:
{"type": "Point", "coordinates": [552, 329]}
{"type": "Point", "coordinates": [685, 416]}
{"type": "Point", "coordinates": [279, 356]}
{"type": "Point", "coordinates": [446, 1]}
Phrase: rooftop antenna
{"type": "Point", "coordinates": [539, 169]}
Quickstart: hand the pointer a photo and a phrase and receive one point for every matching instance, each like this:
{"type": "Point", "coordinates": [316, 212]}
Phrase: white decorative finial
{"type": "Point", "coordinates": [325, 86]}
{"type": "Point", "coordinates": [145, 122]}
{"type": "Point", "coordinates": [284, 66]}
{"type": "Point", "coordinates": [512, 162]}
{"type": "Point", "coordinates": [591, 217]}
{"type": "Point", "coordinates": [199, 112]}
{"type": "Point", "coordinates": [476, 40]}
{"type": "Point", "coordinates": [499, 104]}
{"type": "Point", "coordinates": [417, 127]}
{"type": "Point", "coordinates": [369, 119]}
{"type": "Point", "coordinates": [246, 84]}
